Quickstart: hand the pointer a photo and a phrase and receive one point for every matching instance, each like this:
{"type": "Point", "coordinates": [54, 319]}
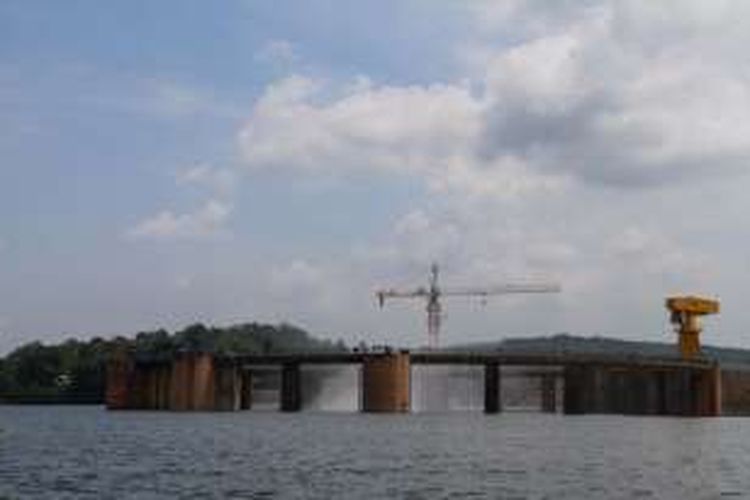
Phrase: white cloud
{"type": "Point", "coordinates": [623, 94]}
{"type": "Point", "coordinates": [205, 222]}
{"type": "Point", "coordinates": [428, 131]}
{"type": "Point", "coordinates": [583, 95]}
{"type": "Point", "coordinates": [386, 128]}
{"type": "Point", "coordinates": [219, 181]}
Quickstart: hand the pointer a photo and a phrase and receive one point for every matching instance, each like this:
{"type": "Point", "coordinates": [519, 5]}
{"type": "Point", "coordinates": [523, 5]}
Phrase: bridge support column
{"type": "Point", "coordinates": [228, 386]}
{"type": "Point", "coordinates": [386, 382]}
{"type": "Point", "coordinates": [192, 382]}
{"type": "Point", "coordinates": [574, 395]}
{"type": "Point", "coordinates": [246, 396]}
{"type": "Point", "coordinates": [291, 393]}
{"type": "Point", "coordinates": [678, 392]}
{"type": "Point", "coordinates": [585, 390]}
{"type": "Point", "coordinates": [163, 375]}
{"type": "Point", "coordinates": [549, 393]}
{"type": "Point", "coordinates": [492, 396]}
{"type": "Point", "coordinates": [708, 397]}
{"type": "Point", "coordinates": [119, 373]}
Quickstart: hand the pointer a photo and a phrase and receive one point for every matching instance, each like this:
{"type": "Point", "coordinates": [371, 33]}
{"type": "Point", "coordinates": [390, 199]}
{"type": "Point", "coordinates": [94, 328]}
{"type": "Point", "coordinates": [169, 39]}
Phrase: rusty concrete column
{"type": "Point", "coordinates": [181, 382]}
{"type": "Point", "coordinates": [386, 382]}
{"type": "Point", "coordinates": [549, 393]}
{"type": "Point", "coordinates": [492, 396]}
{"type": "Point", "coordinates": [204, 383]}
{"type": "Point", "coordinates": [118, 378]}
{"type": "Point", "coordinates": [291, 393]}
{"type": "Point", "coordinates": [246, 395]}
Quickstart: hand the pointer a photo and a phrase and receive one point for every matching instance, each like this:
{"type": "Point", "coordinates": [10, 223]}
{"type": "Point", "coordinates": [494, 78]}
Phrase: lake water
{"type": "Point", "coordinates": [88, 452]}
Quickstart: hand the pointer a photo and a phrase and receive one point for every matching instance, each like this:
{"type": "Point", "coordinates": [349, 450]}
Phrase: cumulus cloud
{"type": "Point", "coordinates": [426, 131]}
{"type": "Point", "coordinates": [621, 94]}
{"type": "Point", "coordinates": [208, 221]}
{"type": "Point", "coordinates": [390, 128]}
{"type": "Point", "coordinates": [220, 181]}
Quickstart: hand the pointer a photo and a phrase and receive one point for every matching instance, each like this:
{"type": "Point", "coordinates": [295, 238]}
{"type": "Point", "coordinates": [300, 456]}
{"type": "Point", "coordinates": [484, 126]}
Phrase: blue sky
{"type": "Point", "coordinates": [171, 162]}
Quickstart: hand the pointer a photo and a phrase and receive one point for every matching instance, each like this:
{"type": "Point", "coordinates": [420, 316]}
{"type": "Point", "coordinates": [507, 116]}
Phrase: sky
{"type": "Point", "coordinates": [163, 163]}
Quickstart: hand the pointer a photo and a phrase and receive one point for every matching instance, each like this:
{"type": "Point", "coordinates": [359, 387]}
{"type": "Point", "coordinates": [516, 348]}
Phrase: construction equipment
{"type": "Point", "coordinates": [433, 294]}
{"type": "Point", "coordinates": [685, 312]}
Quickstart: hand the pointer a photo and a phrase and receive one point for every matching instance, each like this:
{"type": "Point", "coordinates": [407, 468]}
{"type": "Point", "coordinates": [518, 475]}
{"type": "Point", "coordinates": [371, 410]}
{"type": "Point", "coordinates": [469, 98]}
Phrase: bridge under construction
{"type": "Point", "coordinates": [687, 384]}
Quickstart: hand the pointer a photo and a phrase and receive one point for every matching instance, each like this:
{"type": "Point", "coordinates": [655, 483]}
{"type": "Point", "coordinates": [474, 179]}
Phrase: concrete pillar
{"type": "Point", "coordinates": [138, 387]}
{"type": "Point", "coordinates": [678, 392]}
{"type": "Point", "coordinates": [574, 390]}
{"type": "Point", "coordinates": [707, 386]}
{"type": "Point", "coordinates": [163, 376]}
{"type": "Point", "coordinates": [549, 393]}
{"type": "Point", "coordinates": [246, 395]}
{"type": "Point", "coordinates": [181, 382]}
{"type": "Point", "coordinates": [204, 383]}
{"type": "Point", "coordinates": [735, 392]}
{"type": "Point", "coordinates": [386, 382]}
{"type": "Point", "coordinates": [149, 387]}
{"type": "Point", "coordinates": [492, 395]}
{"type": "Point", "coordinates": [119, 371]}
{"type": "Point", "coordinates": [227, 387]}
{"type": "Point", "coordinates": [291, 393]}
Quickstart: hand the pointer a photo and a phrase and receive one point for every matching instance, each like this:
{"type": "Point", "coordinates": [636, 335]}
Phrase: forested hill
{"type": "Point", "coordinates": [74, 370]}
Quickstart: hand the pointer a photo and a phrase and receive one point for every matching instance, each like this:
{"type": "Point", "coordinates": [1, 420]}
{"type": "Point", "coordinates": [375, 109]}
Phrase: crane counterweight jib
{"type": "Point", "coordinates": [504, 289]}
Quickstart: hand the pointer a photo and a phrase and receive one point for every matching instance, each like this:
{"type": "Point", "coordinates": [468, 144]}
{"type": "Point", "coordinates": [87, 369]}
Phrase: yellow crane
{"type": "Point", "coordinates": [434, 292]}
{"type": "Point", "coordinates": [685, 312]}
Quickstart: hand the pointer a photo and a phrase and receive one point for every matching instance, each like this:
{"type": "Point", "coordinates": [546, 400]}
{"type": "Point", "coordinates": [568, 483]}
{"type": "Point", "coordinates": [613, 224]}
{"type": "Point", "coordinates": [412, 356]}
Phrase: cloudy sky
{"type": "Point", "coordinates": [169, 162]}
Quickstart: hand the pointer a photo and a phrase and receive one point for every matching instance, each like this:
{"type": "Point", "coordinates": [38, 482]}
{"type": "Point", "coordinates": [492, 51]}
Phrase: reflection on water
{"type": "Point", "coordinates": [87, 452]}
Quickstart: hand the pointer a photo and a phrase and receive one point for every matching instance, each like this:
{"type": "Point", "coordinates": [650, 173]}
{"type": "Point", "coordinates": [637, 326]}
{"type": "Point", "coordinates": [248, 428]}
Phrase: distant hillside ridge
{"type": "Point", "coordinates": [573, 344]}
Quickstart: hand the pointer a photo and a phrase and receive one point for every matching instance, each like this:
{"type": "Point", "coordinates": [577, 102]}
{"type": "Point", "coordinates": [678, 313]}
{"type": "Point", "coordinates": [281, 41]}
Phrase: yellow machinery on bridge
{"type": "Point", "coordinates": [685, 315]}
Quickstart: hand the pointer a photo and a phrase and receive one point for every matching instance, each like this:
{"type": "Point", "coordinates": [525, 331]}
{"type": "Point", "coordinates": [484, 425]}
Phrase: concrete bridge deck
{"type": "Point", "coordinates": [477, 358]}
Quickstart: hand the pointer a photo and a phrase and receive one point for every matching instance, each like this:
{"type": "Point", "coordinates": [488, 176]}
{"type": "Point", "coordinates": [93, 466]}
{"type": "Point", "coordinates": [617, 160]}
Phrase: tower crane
{"type": "Point", "coordinates": [434, 292]}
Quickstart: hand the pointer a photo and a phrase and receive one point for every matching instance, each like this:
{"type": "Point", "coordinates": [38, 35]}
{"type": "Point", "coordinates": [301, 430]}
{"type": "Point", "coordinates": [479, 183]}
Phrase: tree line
{"type": "Point", "coordinates": [74, 371]}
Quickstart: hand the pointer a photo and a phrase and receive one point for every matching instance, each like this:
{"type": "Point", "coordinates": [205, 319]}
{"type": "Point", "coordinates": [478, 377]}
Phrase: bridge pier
{"type": "Point", "coordinates": [192, 382]}
{"type": "Point", "coordinates": [228, 387]}
{"type": "Point", "coordinates": [492, 394]}
{"type": "Point", "coordinates": [291, 388]}
{"type": "Point", "coordinates": [708, 385]}
{"type": "Point", "coordinates": [386, 382]}
{"type": "Point", "coordinates": [246, 388]}
{"type": "Point", "coordinates": [204, 382]}
{"type": "Point", "coordinates": [549, 393]}
{"type": "Point", "coordinates": [119, 373]}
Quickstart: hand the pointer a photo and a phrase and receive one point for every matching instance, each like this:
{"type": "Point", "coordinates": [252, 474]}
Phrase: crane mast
{"type": "Point", "coordinates": [433, 293]}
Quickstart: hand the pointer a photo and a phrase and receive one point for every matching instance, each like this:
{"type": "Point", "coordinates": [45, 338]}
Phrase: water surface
{"type": "Point", "coordinates": [87, 452]}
